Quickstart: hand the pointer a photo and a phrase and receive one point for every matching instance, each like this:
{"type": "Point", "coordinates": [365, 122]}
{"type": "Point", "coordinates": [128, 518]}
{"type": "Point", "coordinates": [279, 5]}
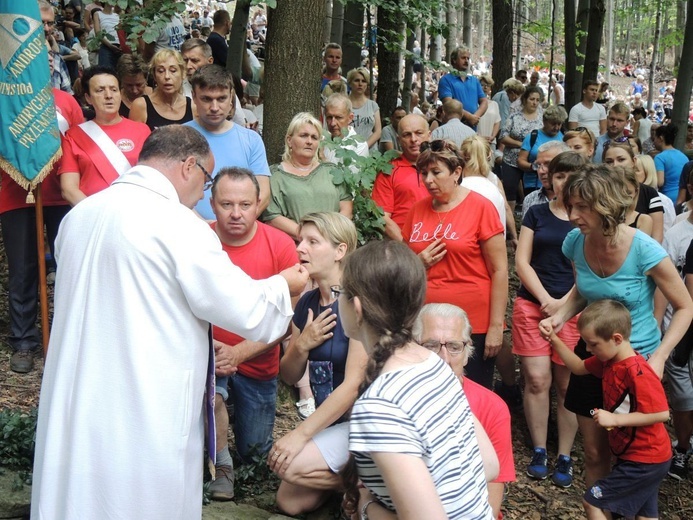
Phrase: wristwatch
{"type": "Point", "coordinates": [364, 515]}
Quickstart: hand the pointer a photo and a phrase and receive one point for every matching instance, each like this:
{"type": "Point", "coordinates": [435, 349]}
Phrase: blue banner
{"type": "Point", "coordinates": [29, 135]}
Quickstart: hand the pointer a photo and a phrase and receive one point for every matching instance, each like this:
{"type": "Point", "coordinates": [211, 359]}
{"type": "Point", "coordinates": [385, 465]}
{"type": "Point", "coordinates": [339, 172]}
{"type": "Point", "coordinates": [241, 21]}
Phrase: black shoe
{"type": "Point", "coordinates": [679, 465]}
{"type": "Point", "coordinates": [22, 361]}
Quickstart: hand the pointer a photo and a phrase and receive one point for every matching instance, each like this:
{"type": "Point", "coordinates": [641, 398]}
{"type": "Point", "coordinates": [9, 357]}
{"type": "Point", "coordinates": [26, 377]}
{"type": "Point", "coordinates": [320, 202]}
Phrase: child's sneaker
{"type": "Point", "coordinates": [538, 468]}
{"type": "Point", "coordinates": [563, 474]}
{"type": "Point", "coordinates": [679, 465]}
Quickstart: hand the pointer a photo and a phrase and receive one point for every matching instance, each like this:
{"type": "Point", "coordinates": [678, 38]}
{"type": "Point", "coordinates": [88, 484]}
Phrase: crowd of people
{"type": "Point", "coordinates": [392, 347]}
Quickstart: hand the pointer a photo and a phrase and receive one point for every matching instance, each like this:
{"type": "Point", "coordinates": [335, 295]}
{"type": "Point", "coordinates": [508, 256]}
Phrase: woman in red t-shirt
{"type": "Point", "coordinates": [459, 237]}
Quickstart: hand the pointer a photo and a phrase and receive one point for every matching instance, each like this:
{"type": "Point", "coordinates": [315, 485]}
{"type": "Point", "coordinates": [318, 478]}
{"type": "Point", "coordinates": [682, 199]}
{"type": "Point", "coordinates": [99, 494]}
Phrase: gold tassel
{"type": "Point", "coordinates": [30, 198]}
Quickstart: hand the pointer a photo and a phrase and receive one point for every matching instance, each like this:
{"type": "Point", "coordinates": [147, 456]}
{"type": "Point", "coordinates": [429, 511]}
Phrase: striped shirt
{"type": "Point", "coordinates": [420, 411]}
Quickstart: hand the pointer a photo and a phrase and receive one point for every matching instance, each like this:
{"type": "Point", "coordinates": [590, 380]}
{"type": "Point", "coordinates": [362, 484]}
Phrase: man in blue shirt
{"type": "Point", "coordinates": [463, 87]}
{"type": "Point", "coordinates": [231, 144]}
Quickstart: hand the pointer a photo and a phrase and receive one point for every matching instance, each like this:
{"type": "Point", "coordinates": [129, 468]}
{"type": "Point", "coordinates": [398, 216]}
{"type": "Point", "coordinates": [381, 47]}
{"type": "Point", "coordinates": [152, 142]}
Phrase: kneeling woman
{"type": "Point", "coordinates": [413, 436]}
{"type": "Point", "coordinates": [308, 458]}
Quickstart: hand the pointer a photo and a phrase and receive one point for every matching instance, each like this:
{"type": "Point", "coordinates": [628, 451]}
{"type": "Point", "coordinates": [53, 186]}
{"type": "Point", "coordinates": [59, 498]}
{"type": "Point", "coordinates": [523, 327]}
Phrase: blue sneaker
{"type": "Point", "coordinates": [538, 468]}
{"type": "Point", "coordinates": [563, 474]}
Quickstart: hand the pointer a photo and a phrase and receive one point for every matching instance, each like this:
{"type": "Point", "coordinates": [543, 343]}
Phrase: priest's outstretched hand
{"type": "Point", "coordinates": [296, 277]}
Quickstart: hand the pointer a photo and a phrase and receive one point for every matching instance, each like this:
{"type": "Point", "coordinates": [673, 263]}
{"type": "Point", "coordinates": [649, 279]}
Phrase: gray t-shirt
{"type": "Point", "coordinates": [389, 135]}
{"type": "Point", "coordinates": [364, 119]}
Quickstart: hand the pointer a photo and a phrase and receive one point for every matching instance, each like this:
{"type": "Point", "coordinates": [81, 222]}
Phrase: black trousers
{"type": "Point", "coordinates": [19, 237]}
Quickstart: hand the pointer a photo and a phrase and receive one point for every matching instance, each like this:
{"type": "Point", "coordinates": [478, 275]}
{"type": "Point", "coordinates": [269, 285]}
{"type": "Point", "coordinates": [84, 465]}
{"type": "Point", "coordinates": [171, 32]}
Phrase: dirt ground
{"type": "Point", "coordinates": [526, 499]}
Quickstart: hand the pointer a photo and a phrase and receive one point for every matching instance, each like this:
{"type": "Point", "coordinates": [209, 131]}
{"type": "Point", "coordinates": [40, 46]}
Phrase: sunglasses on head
{"type": "Point", "coordinates": [438, 145]}
{"type": "Point", "coordinates": [584, 130]}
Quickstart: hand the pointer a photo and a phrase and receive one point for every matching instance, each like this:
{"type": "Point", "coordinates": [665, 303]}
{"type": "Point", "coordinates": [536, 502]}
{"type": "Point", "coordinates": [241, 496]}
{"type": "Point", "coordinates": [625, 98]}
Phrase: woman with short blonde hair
{"type": "Point", "coordinates": [167, 105]}
{"type": "Point", "coordinates": [300, 183]}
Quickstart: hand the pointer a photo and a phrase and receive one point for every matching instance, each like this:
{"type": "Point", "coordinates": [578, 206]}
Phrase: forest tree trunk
{"type": "Point", "coordinates": [684, 82]}
{"type": "Point", "coordinates": [237, 37]}
{"type": "Point", "coordinates": [502, 42]}
{"type": "Point", "coordinates": [352, 36]}
{"type": "Point", "coordinates": [294, 43]}
{"type": "Point", "coordinates": [390, 25]}
{"type": "Point", "coordinates": [337, 22]}
{"type": "Point", "coordinates": [594, 39]}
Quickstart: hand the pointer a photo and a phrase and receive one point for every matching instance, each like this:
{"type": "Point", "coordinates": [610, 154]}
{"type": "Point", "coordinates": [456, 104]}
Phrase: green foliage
{"type": "Point", "coordinates": [359, 175]}
{"type": "Point", "coordinates": [17, 437]}
{"type": "Point", "coordinates": [255, 477]}
{"type": "Point", "coordinates": [145, 21]}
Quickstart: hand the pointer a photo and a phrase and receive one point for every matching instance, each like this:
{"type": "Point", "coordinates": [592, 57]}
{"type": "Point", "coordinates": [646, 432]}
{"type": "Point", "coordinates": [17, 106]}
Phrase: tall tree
{"type": "Point", "coordinates": [390, 31]}
{"type": "Point", "coordinates": [237, 37]}
{"type": "Point", "coordinates": [451, 21]}
{"type": "Point", "coordinates": [594, 38]}
{"type": "Point", "coordinates": [684, 82]}
{"type": "Point", "coordinates": [352, 39]}
{"type": "Point", "coordinates": [653, 62]}
{"type": "Point", "coordinates": [294, 43]}
{"type": "Point", "coordinates": [327, 25]}
{"type": "Point", "coordinates": [467, 27]}
{"type": "Point", "coordinates": [337, 22]}
{"type": "Point", "coordinates": [502, 41]}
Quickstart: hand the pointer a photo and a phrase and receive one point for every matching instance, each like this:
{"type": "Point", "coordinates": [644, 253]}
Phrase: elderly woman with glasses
{"type": "Point", "coordinates": [458, 235]}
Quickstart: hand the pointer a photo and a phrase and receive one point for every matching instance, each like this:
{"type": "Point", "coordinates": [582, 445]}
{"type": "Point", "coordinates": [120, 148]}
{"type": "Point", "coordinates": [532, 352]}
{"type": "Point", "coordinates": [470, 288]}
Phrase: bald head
{"type": "Point", "coordinates": [452, 108]}
{"type": "Point", "coordinates": [412, 130]}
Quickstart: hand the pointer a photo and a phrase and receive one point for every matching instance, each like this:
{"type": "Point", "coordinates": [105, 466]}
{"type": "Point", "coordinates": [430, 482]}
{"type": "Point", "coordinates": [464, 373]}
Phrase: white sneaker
{"type": "Point", "coordinates": [305, 407]}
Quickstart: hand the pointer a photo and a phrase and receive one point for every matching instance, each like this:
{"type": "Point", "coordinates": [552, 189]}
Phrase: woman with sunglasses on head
{"type": "Point", "coordinates": [458, 235]}
{"type": "Point", "coordinates": [580, 140]}
{"type": "Point", "coordinates": [416, 446]}
{"type": "Point", "coordinates": [546, 278]}
{"type": "Point", "coordinates": [309, 458]}
{"type": "Point", "coordinates": [648, 200]}
{"type": "Point", "coordinates": [614, 261]}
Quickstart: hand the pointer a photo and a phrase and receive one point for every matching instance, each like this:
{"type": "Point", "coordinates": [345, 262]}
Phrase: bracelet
{"type": "Point", "coordinates": [364, 515]}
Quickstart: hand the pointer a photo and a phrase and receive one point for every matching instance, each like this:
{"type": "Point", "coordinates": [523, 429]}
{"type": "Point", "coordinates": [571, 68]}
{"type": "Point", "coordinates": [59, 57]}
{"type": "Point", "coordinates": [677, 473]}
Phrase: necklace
{"type": "Point", "coordinates": [304, 168]}
{"type": "Point", "coordinates": [169, 105]}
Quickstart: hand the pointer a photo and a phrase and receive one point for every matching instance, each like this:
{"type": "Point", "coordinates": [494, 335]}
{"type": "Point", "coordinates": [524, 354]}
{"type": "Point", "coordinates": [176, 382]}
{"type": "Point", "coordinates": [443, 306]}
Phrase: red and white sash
{"type": "Point", "coordinates": [108, 159]}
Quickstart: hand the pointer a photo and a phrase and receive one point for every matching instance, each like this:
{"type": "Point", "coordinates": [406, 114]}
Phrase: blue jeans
{"type": "Point", "coordinates": [254, 403]}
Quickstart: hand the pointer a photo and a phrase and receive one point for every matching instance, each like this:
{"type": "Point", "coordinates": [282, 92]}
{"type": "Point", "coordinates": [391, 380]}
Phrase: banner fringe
{"type": "Point", "coordinates": [25, 183]}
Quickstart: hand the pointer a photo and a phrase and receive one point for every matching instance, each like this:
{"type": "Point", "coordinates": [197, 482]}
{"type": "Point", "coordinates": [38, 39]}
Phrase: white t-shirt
{"type": "Point", "coordinates": [588, 117]}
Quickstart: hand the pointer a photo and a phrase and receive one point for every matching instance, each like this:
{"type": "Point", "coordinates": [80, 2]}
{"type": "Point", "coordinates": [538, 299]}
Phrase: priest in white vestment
{"type": "Point", "coordinates": [140, 278]}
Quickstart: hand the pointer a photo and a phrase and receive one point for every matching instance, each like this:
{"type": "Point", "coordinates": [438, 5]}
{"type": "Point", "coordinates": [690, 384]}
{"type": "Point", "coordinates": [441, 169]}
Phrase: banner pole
{"type": "Point", "coordinates": [43, 286]}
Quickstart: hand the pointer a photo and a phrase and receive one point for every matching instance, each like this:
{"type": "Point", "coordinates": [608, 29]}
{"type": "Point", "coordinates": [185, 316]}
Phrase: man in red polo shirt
{"type": "Point", "coordinates": [397, 191]}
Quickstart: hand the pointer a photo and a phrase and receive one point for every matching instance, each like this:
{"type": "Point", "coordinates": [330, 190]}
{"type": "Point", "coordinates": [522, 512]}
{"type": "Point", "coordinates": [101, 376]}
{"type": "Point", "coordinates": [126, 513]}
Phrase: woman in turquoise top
{"type": "Point", "coordinates": [616, 262]}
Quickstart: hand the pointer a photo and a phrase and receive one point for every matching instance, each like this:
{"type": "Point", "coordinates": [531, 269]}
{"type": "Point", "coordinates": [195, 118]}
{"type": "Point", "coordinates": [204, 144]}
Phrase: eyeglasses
{"type": "Point", "coordinates": [336, 290]}
{"type": "Point", "coordinates": [438, 145]}
{"type": "Point", "coordinates": [209, 180]}
{"type": "Point", "coordinates": [622, 139]}
{"type": "Point", "coordinates": [453, 347]}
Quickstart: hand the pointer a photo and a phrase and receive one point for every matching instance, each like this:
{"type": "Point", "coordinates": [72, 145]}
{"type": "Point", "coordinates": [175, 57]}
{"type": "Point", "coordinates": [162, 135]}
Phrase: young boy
{"type": "Point", "coordinates": [635, 408]}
